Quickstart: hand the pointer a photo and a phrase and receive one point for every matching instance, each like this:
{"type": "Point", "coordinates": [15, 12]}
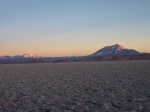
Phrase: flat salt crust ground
{"type": "Point", "coordinates": [76, 87]}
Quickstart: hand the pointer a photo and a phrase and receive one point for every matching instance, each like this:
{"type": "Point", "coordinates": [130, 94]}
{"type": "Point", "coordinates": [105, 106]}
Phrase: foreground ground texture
{"type": "Point", "coordinates": [76, 87]}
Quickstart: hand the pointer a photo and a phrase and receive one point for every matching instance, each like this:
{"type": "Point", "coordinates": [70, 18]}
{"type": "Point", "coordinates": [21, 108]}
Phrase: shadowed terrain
{"type": "Point", "coordinates": [76, 87]}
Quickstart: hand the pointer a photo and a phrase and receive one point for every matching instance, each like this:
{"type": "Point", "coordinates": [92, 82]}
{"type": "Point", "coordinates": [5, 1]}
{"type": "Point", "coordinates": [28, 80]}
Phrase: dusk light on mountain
{"type": "Point", "coordinates": [74, 55]}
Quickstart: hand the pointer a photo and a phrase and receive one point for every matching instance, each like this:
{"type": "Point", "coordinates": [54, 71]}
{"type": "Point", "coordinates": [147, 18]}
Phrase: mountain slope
{"type": "Point", "coordinates": [115, 49]}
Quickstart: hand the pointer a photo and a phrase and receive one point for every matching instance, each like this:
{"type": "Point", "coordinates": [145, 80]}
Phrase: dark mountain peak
{"type": "Point", "coordinates": [118, 46]}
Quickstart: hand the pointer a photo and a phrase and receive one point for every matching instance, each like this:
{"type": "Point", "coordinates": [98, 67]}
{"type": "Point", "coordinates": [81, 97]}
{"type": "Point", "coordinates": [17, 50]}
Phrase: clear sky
{"type": "Point", "coordinates": [72, 27]}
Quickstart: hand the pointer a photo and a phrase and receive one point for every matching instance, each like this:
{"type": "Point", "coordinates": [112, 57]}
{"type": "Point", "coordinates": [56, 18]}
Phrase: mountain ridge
{"type": "Point", "coordinates": [109, 53]}
{"type": "Point", "coordinates": [115, 49]}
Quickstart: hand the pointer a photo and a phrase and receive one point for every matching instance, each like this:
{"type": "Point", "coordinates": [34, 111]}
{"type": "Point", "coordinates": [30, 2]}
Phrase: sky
{"type": "Point", "coordinates": [72, 27]}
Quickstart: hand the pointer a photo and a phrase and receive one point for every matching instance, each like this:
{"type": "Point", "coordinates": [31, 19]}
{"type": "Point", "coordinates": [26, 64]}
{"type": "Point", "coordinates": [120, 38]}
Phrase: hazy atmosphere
{"type": "Point", "coordinates": [74, 55]}
{"type": "Point", "coordinates": [72, 27]}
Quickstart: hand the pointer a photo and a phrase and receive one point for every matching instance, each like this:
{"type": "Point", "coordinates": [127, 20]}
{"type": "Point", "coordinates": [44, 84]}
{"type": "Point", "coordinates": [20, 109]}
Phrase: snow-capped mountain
{"type": "Point", "coordinates": [115, 49]}
{"type": "Point", "coordinates": [109, 53]}
{"type": "Point", "coordinates": [29, 56]}
{"type": "Point", "coordinates": [20, 56]}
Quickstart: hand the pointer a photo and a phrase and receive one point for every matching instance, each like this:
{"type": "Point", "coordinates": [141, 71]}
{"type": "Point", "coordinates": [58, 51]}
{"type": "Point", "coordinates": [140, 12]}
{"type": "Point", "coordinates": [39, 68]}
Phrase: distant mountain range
{"type": "Point", "coordinates": [109, 53]}
{"type": "Point", "coordinates": [20, 56]}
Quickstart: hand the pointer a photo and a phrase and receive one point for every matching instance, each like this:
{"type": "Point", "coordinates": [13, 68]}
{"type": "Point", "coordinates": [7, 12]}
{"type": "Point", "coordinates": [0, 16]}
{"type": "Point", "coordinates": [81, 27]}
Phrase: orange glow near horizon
{"type": "Point", "coordinates": [72, 27]}
{"type": "Point", "coordinates": [54, 50]}
{"type": "Point", "coordinates": [70, 45]}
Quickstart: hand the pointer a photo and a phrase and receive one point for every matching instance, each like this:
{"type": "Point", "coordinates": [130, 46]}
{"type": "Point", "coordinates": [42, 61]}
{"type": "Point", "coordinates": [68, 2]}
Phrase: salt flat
{"type": "Point", "coordinates": [76, 87]}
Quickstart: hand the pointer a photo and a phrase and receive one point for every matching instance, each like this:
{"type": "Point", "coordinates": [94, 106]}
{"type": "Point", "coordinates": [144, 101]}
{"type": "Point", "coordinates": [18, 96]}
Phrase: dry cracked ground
{"type": "Point", "coordinates": [76, 87]}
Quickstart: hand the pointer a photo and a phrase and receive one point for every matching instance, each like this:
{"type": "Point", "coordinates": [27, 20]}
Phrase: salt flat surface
{"type": "Point", "coordinates": [76, 87]}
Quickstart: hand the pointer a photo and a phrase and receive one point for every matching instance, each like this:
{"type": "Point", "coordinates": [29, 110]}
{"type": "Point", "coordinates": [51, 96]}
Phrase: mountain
{"type": "Point", "coordinates": [115, 49]}
{"type": "Point", "coordinates": [115, 53]}
{"type": "Point", "coordinates": [20, 56]}
{"type": "Point", "coordinates": [109, 53]}
{"type": "Point", "coordinates": [30, 56]}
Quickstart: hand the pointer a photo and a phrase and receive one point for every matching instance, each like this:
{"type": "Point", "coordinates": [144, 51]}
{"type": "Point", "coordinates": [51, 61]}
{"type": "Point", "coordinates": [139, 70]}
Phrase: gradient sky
{"type": "Point", "coordinates": [72, 27]}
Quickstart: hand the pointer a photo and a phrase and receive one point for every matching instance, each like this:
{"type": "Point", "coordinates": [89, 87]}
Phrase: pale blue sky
{"type": "Point", "coordinates": [72, 27]}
